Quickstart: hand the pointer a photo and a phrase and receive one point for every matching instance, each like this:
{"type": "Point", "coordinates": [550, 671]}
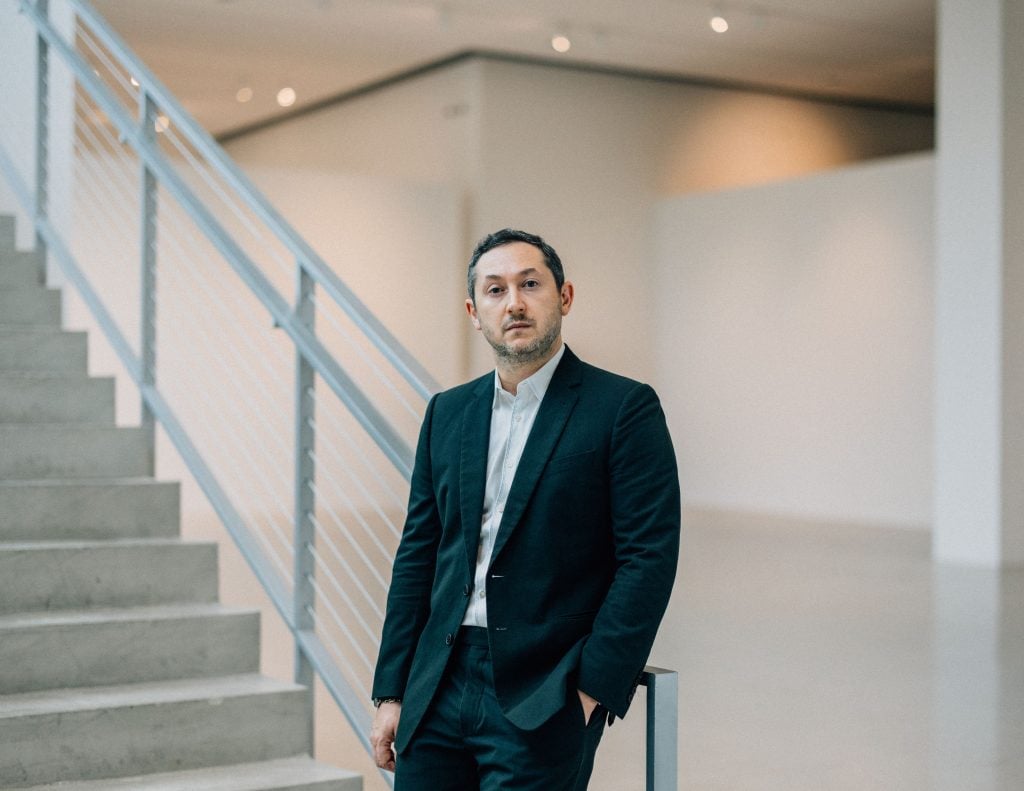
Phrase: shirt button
{"type": "Point", "coordinates": [482, 594]}
{"type": "Point", "coordinates": [449, 638]}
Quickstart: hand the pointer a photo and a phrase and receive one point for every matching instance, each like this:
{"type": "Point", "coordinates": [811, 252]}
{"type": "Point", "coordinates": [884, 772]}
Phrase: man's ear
{"type": "Point", "coordinates": [471, 310]}
{"type": "Point", "coordinates": [567, 294]}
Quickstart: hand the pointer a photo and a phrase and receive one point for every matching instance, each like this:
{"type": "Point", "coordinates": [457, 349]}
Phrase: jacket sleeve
{"type": "Point", "coordinates": [645, 521]}
{"type": "Point", "coordinates": [408, 604]}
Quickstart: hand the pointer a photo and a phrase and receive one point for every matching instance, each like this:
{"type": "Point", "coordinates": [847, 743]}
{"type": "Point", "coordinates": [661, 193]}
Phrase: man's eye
{"type": "Point", "coordinates": [494, 290]}
{"type": "Point", "coordinates": [531, 284]}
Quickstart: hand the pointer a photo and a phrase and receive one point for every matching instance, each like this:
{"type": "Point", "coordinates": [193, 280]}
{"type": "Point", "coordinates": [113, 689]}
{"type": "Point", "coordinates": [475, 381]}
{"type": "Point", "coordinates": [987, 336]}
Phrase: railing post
{"type": "Point", "coordinates": [305, 499]}
{"type": "Point", "coordinates": [147, 260]}
{"type": "Point", "coordinates": [662, 728]}
{"type": "Point", "coordinates": [42, 127]}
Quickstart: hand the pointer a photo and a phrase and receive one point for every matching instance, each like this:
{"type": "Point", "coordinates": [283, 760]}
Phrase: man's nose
{"type": "Point", "coordinates": [515, 301]}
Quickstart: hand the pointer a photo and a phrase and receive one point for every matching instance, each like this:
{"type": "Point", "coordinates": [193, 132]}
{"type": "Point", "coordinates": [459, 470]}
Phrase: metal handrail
{"type": "Point", "coordinates": [294, 597]}
{"type": "Point", "coordinates": [414, 373]}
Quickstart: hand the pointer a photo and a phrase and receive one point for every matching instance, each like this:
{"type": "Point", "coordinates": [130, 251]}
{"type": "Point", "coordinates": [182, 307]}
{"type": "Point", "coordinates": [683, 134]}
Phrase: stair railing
{"type": "Point", "coordinates": [141, 181]}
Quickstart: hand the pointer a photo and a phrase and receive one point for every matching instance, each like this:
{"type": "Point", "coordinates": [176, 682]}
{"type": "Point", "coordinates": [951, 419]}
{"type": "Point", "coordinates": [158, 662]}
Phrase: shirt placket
{"type": "Point", "coordinates": [504, 484]}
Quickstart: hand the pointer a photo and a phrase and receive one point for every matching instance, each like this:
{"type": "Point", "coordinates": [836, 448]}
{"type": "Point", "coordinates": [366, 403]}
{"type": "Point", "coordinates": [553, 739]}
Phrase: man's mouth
{"type": "Point", "coordinates": [518, 325]}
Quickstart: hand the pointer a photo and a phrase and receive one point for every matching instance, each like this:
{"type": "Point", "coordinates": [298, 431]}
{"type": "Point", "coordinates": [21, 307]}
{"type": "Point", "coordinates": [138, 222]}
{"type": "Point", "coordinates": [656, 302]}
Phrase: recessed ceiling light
{"type": "Point", "coordinates": [135, 82]}
{"type": "Point", "coordinates": [718, 24]}
{"type": "Point", "coordinates": [286, 97]}
{"type": "Point", "coordinates": [244, 94]}
{"type": "Point", "coordinates": [561, 43]}
{"type": "Point", "coordinates": [162, 123]}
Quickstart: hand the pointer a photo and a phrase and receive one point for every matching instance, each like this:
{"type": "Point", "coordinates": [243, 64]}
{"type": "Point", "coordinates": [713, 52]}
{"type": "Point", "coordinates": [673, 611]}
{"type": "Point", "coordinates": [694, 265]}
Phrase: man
{"type": "Point", "coordinates": [538, 553]}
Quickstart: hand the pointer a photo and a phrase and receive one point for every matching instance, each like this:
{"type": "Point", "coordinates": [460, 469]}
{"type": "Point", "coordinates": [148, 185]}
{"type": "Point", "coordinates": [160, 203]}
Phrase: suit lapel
{"type": "Point", "coordinates": [554, 413]}
{"type": "Point", "coordinates": [476, 433]}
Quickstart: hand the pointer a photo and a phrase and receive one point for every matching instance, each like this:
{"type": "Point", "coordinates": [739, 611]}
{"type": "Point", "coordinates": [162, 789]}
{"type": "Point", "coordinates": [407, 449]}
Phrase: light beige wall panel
{"type": "Point", "coordinates": [794, 343]}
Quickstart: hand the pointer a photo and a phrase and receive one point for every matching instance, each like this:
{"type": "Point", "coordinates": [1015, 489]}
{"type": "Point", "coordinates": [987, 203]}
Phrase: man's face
{"type": "Point", "coordinates": [518, 307]}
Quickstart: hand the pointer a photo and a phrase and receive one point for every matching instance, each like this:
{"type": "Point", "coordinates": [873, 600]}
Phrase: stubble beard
{"type": "Point", "coordinates": [524, 355]}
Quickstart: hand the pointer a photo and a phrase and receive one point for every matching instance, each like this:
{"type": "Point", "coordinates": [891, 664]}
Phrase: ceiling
{"type": "Point", "coordinates": [207, 50]}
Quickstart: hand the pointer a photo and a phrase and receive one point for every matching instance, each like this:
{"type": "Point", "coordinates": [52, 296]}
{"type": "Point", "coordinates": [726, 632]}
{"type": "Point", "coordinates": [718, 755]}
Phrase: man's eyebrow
{"type": "Point", "coordinates": [530, 271]}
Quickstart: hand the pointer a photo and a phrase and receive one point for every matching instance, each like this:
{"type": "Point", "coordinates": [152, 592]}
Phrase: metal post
{"type": "Point", "coordinates": [305, 500]}
{"type": "Point", "coordinates": [42, 127]}
{"type": "Point", "coordinates": [662, 728]}
{"type": "Point", "coordinates": [147, 260]}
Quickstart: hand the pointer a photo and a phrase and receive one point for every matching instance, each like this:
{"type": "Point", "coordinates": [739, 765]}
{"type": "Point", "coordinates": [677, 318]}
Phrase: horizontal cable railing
{"type": "Point", "coordinates": [289, 402]}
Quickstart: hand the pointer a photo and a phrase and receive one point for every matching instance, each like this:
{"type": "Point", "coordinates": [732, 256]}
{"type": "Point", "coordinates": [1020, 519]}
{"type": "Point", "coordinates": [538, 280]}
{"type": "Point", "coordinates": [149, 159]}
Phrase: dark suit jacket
{"type": "Point", "coordinates": [583, 562]}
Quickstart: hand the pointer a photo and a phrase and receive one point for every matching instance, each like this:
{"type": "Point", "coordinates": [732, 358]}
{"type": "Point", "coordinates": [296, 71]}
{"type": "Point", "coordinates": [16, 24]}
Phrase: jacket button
{"type": "Point", "coordinates": [449, 638]}
{"type": "Point", "coordinates": [466, 590]}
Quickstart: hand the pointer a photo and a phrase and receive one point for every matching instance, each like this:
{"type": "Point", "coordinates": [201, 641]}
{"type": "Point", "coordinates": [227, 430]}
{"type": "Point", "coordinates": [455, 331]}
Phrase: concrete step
{"type": "Point", "coordinates": [27, 348]}
{"type": "Point", "coordinates": [68, 575]}
{"type": "Point", "coordinates": [300, 773]}
{"type": "Point", "coordinates": [34, 305]}
{"type": "Point", "coordinates": [56, 450]}
{"type": "Point", "coordinates": [136, 729]}
{"type": "Point", "coordinates": [78, 510]}
{"type": "Point", "coordinates": [35, 397]}
{"type": "Point", "coordinates": [21, 269]}
{"type": "Point", "coordinates": [85, 648]}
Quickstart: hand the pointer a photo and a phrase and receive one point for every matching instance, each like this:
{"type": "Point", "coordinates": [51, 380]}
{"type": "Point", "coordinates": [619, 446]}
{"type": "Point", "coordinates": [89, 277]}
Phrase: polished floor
{"type": "Point", "coordinates": [816, 657]}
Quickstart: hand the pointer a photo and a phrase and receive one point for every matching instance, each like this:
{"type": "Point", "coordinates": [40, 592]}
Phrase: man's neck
{"type": "Point", "coordinates": [511, 374]}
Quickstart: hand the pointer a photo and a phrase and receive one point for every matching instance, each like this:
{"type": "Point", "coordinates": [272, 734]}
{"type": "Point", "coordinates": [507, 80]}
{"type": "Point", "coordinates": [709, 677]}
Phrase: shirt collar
{"type": "Point", "coordinates": [535, 385]}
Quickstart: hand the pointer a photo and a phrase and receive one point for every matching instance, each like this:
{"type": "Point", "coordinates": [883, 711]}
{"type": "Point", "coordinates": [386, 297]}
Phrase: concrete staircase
{"type": "Point", "coordinates": [118, 668]}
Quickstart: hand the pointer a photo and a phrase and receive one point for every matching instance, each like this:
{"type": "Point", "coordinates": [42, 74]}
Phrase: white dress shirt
{"type": "Point", "coordinates": [512, 418]}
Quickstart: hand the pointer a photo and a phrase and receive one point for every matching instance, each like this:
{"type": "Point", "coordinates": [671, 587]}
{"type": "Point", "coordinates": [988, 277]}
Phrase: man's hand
{"type": "Point", "coordinates": [382, 734]}
{"type": "Point", "coordinates": [589, 704]}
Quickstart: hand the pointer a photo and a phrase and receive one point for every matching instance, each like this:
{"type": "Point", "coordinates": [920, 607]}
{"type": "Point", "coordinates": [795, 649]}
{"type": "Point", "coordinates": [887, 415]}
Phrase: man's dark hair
{"type": "Point", "coordinates": [506, 236]}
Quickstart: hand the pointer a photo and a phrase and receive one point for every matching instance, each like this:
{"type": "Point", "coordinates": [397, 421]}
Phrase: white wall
{"type": "Point", "coordinates": [793, 339]}
{"type": "Point", "coordinates": [387, 241]}
{"type": "Point", "coordinates": [418, 130]}
{"type": "Point", "coordinates": [421, 133]}
{"type": "Point", "coordinates": [578, 157]}
{"type": "Point", "coordinates": [979, 393]}
{"type": "Point", "coordinates": [573, 156]}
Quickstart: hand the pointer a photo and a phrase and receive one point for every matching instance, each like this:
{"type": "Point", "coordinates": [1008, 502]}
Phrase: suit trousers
{"type": "Point", "coordinates": [465, 743]}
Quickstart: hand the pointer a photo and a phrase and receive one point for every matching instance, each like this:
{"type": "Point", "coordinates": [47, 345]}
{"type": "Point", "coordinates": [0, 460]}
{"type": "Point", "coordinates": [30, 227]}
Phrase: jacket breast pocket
{"type": "Point", "coordinates": [586, 615]}
{"type": "Point", "coordinates": [572, 461]}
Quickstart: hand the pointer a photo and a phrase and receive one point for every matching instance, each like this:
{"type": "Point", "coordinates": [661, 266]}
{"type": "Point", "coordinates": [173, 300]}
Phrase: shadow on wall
{"type": "Point", "coordinates": [724, 140]}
